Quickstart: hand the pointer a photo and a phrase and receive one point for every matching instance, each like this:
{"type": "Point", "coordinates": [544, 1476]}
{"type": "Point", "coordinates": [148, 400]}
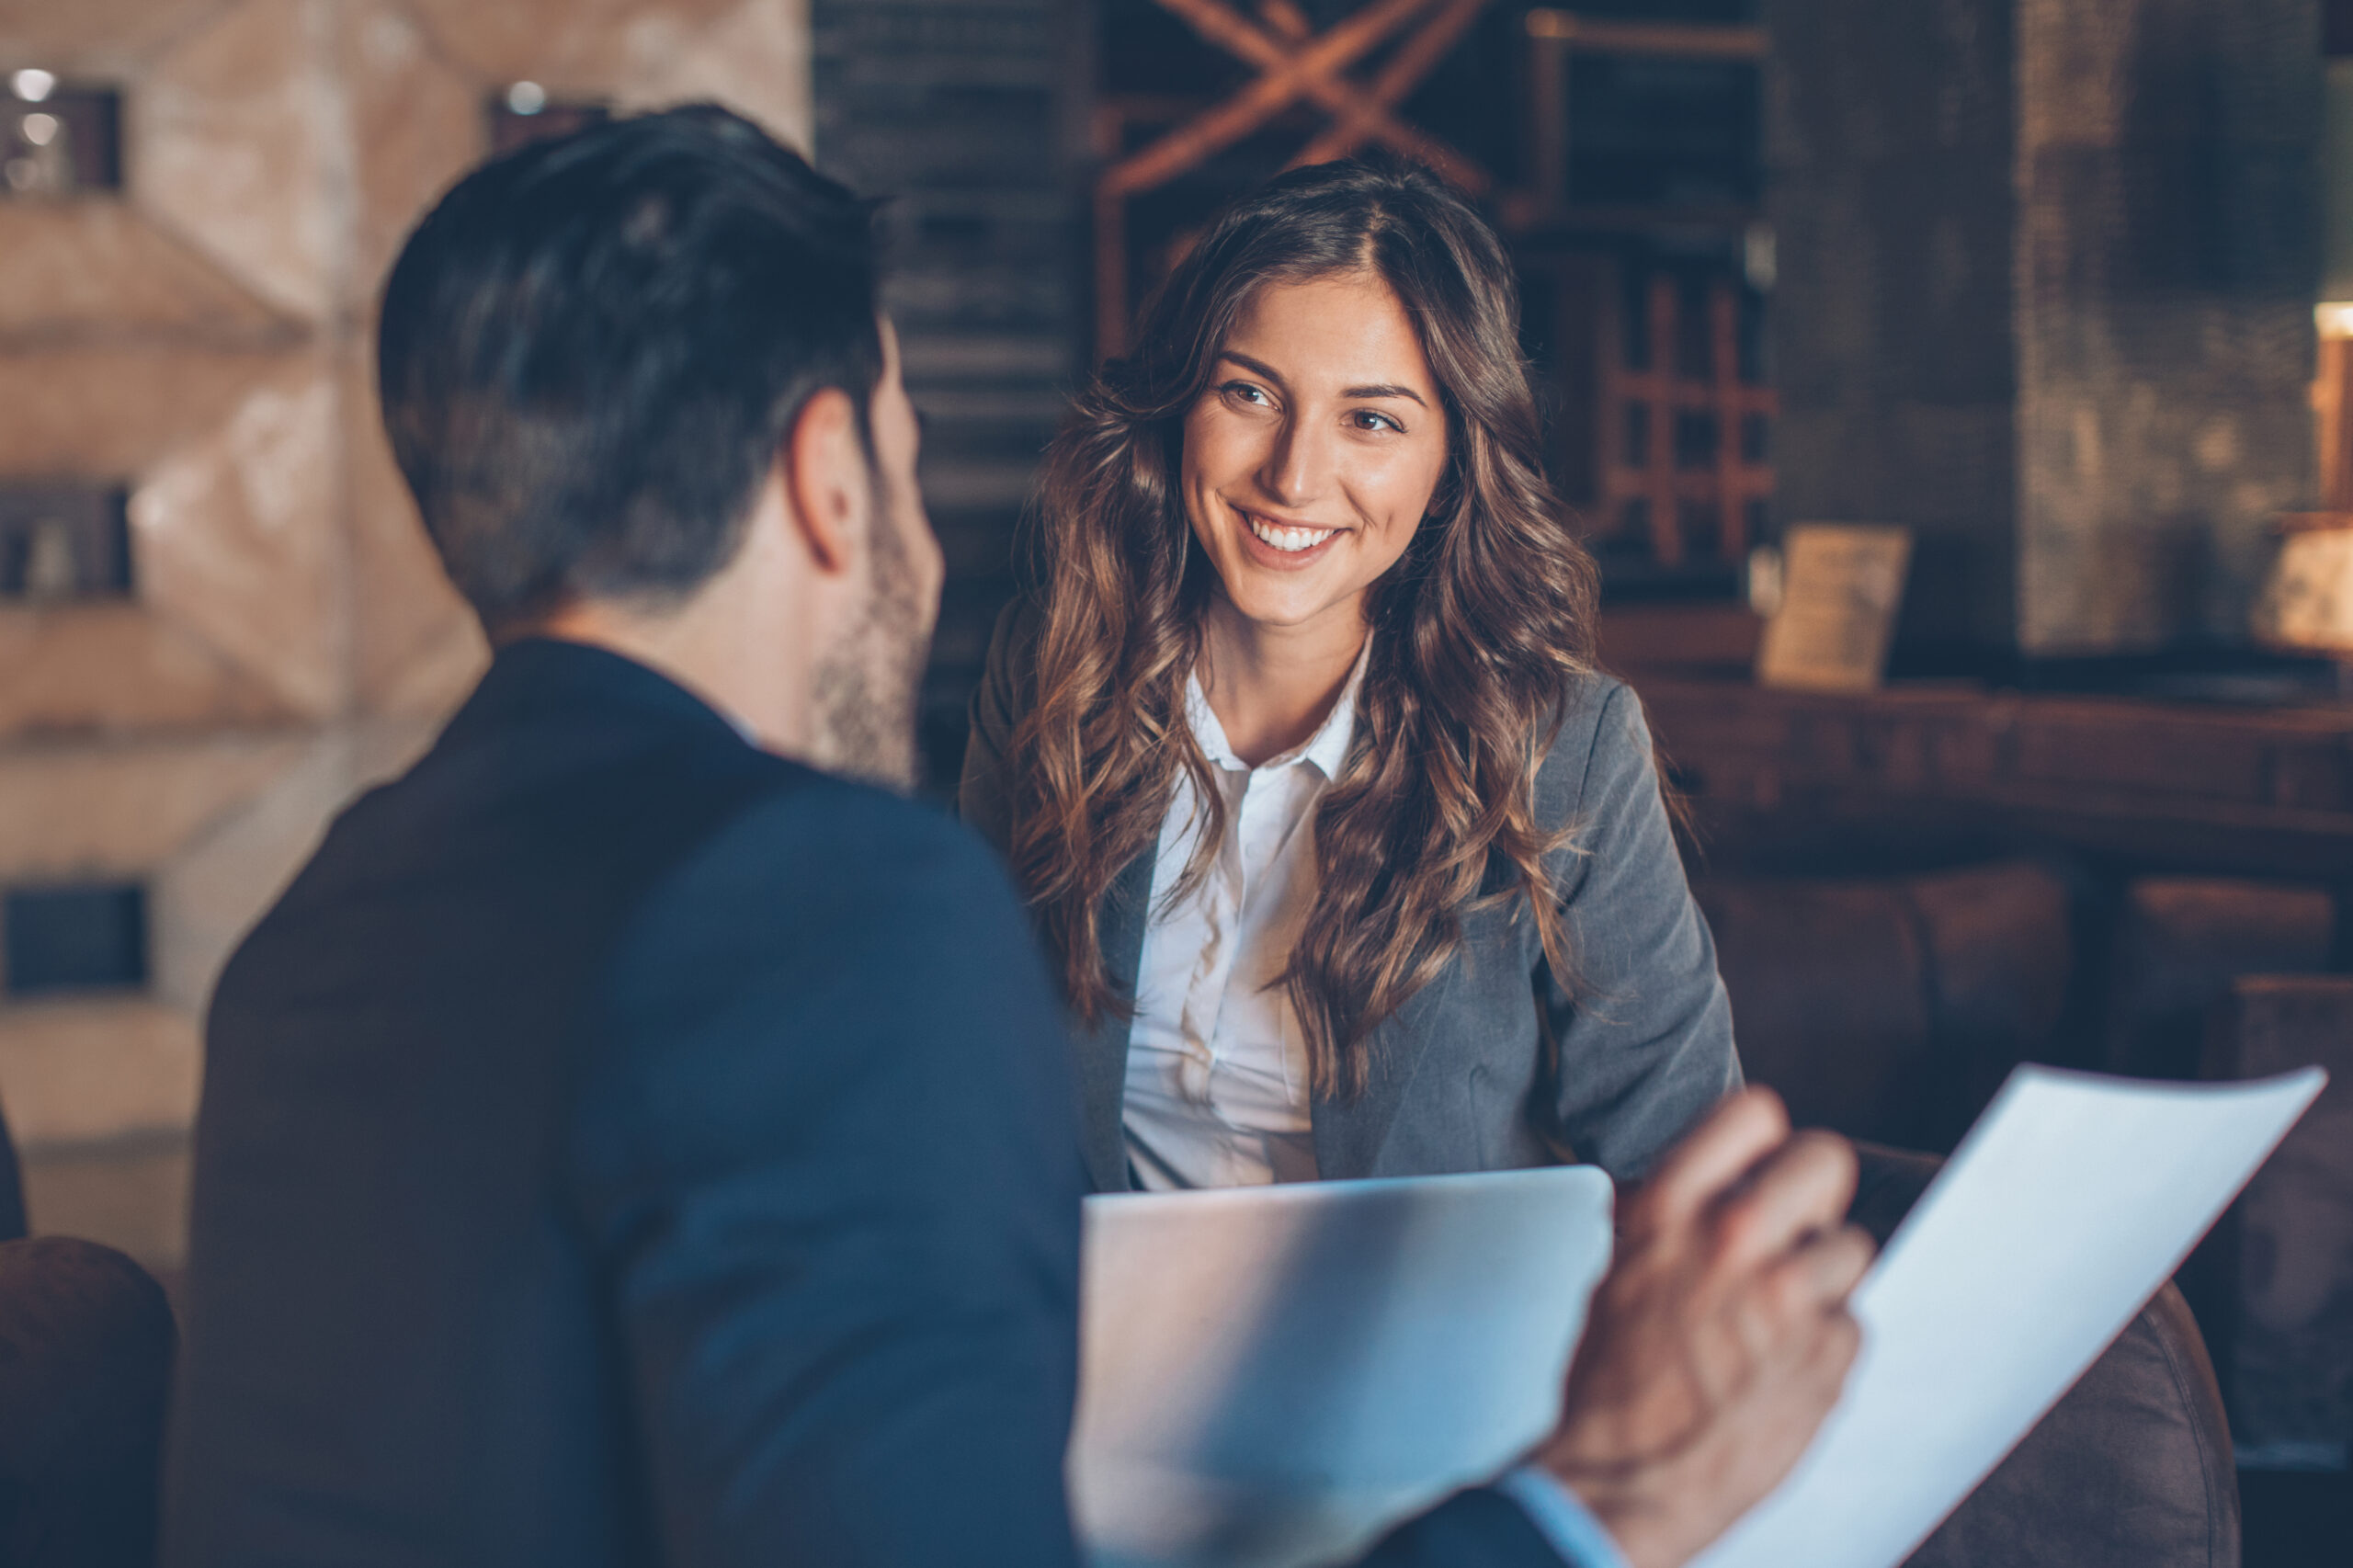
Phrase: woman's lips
{"type": "Point", "coordinates": [1283, 546]}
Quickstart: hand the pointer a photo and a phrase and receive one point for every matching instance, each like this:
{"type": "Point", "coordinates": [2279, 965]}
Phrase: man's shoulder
{"type": "Point", "coordinates": [829, 811]}
{"type": "Point", "coordinates": [833, 862]}
{"type": "Point", "coordinates": [519, 858]}
{"type": "Point", "coordinates": [838, 934]}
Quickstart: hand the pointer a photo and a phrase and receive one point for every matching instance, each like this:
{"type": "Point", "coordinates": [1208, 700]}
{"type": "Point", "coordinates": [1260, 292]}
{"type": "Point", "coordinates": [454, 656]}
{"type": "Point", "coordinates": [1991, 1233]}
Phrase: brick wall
{"type": "Point", "coordinates": [2047, 277]}
{"type": "Point", "coordinates": [1889, 138]}
{"type": "Point", "coordinates": [963, 114]}
{"type": "Point", "coordinates": [2168, 262]}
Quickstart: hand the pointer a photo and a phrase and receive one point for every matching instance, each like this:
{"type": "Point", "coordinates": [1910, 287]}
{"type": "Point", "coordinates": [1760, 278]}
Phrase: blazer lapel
{"type": "Point", "coordinates": [1103, 1050]}
{"type": "Point", "coordinates": [1350, 1134]}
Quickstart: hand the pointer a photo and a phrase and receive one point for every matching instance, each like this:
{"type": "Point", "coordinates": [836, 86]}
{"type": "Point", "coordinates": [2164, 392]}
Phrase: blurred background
{"type": "Point", "coordinates": [2062, 289]}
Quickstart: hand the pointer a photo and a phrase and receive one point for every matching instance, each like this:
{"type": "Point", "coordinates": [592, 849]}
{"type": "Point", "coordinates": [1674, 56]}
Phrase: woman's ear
{"type": "Point", "coordinates": [828, 480]}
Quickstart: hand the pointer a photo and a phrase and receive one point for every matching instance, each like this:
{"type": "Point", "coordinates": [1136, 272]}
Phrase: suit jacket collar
{"type": "Point", "coordinates": [542, 676]}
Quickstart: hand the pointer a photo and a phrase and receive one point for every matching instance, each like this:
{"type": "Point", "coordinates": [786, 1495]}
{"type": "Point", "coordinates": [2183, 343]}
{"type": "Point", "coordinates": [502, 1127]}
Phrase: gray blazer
{"type": "Point", "coordinates": [1464, 1076]}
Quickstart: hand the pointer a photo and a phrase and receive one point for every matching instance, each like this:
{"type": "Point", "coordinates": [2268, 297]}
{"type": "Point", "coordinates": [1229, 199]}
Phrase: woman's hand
{"type": "Point", "coordinates": [1720, 1338]}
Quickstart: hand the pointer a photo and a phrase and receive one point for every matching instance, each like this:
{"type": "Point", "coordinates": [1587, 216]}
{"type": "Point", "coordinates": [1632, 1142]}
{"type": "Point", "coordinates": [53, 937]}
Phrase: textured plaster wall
{"type": "Point", "coordinates": [203, 339]}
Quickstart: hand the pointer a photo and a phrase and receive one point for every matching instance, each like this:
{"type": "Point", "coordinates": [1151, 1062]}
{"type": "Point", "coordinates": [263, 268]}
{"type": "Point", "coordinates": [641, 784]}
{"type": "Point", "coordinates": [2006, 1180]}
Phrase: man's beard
{"type": "Point", "coordinates": [867, 686]}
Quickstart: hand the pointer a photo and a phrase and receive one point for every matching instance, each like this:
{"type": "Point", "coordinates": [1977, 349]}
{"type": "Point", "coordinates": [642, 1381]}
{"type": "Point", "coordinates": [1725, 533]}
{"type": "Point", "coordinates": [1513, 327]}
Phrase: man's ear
{"type": "Point", "coordinates": [828, 480]}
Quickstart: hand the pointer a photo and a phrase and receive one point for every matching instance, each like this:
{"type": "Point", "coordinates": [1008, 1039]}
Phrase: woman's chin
{"type": "Point", "coordinates": [1282, 606]}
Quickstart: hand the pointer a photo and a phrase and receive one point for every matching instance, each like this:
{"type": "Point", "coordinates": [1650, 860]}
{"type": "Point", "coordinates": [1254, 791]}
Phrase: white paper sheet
{"type": "Point", "coordinates": [1271, 1375]}
{"type": "Point", "coordinates": [2070, 1203]}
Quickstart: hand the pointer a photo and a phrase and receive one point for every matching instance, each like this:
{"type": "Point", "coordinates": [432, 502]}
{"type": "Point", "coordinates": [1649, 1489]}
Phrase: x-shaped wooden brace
{"type": "Point", "coordinates": [1295, 64]}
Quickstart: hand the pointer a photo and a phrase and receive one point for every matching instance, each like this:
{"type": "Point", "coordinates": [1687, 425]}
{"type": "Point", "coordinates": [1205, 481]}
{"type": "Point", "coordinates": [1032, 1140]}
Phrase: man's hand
{"type": "Point", "coordinates": [1720, 1338]}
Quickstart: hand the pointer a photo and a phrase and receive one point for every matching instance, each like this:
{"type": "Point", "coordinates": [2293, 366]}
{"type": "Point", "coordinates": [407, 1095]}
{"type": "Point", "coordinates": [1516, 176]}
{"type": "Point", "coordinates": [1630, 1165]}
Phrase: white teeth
{"type": "Point", "coordinates": [1289, 540]}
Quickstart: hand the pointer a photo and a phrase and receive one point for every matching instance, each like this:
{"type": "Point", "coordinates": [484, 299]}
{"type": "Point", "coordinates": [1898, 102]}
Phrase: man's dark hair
{"type": "Point", "coordinates": [592, 348]}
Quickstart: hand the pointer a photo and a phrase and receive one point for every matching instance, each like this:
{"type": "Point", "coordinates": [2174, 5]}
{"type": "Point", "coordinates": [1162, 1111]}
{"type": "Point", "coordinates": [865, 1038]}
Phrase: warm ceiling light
{"type": "Point", "coordinates": [40, 130]}
{"type": "Point", "coordinates": [2306, 604]}
{"type": "Point", "coordinates": [527, 97]}
{"type": "Point", "coordinates": [33, 86]}
{"type": "Point", "coordinates": [2335, 318]}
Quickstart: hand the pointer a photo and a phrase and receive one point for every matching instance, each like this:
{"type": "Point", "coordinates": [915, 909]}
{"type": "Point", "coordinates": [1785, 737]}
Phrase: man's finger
{"type": "Point", "coordinates": [1801, 1188]}
{"type": "Point", "coordinates": [1830, 1355]}
{"type": "Point", "coordinates": [1822, 1272]}
{"type": "Point", "coordinates": [1839, 1260]}
{"type": "Point", "coordinates": [1714, 1156]}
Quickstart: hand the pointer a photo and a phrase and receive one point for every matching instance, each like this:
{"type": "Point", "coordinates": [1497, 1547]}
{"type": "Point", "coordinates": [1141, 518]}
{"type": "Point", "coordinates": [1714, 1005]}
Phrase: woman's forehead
{"type": "Point", "coordinates": [1346, 330]}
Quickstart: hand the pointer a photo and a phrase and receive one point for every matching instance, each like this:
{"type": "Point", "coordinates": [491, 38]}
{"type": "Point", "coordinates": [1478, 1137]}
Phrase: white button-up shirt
{"type": "Point", "coordinates": [1217, 1086]}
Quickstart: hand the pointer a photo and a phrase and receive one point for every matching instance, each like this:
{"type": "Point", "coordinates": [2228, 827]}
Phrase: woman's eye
{"type": "Point", "coordinates": [1243, 391]}
{"type": "Point", "coordinates": [1366, 419]}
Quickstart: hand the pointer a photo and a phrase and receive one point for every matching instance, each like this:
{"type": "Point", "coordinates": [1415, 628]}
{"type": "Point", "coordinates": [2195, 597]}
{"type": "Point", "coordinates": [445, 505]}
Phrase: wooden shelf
{"type": "Point", "coordinates": [2161, 785]}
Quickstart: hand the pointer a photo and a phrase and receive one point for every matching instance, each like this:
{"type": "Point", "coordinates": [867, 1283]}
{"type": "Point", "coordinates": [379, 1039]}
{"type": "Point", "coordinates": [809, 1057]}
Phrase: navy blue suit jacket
{"type": "Point", "coordinates": [624, 1146]}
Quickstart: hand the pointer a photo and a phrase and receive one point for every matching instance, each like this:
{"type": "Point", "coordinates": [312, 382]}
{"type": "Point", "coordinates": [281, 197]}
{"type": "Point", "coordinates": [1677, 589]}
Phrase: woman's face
{"type": "Point", "coordinates": [1310, 459]}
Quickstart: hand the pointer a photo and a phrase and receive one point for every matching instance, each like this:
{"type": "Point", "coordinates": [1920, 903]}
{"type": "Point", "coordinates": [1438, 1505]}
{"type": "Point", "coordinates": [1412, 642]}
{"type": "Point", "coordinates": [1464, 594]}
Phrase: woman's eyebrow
{"type": "Point", "coordinates": [1256, 367]}
{"type": "Point", "coordinates": [1376, 390]}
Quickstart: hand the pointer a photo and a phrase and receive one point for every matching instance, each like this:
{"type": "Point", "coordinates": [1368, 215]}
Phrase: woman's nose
{"type": "Point", "coordinates": [1294, 471]}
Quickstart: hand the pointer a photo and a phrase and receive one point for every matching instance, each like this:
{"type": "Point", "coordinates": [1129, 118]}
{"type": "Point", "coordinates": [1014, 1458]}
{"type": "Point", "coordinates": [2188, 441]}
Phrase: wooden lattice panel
{"type": "Point", "coordinates": [1640, 410]}
{"type": "Point", "coordinates": [1296, 66]}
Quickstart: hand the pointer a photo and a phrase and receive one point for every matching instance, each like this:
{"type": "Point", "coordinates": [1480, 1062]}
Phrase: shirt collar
{"type": "Point", "coordinates": [1327, 748]}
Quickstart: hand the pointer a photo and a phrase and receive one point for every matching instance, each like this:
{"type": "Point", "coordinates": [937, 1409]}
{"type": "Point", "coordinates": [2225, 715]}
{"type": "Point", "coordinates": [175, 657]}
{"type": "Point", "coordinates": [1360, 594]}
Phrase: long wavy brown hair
{"type": "Point", "coordinates": [1478, 633]}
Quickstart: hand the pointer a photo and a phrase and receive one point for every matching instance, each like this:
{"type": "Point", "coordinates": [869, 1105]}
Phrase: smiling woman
{"type": "Point", "coordinates": [1352, 863]}
{"type": "Point", "coordinates": [1305, 477]}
